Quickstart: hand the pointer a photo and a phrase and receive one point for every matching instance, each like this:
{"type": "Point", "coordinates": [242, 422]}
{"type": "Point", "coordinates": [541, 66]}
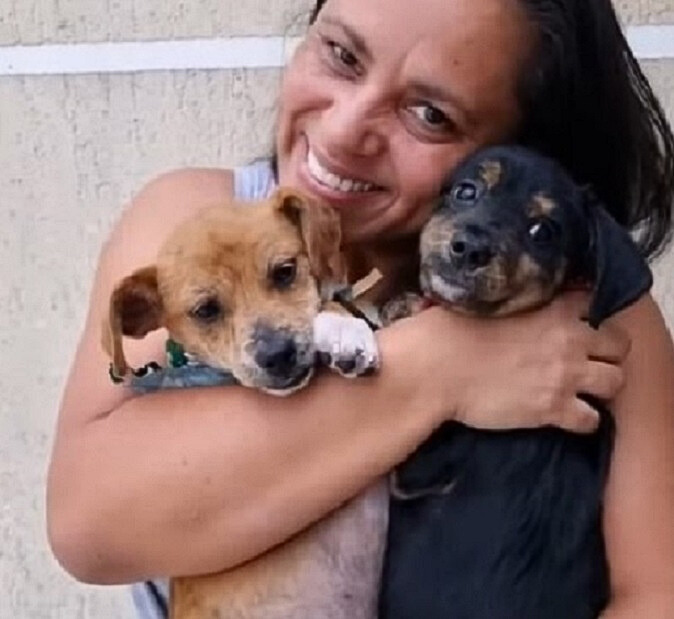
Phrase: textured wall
{"type": "Point", "coordinates": [25, 22]}
{"type": "Point", "coordinates": [72, 150]}
{"type": "Point", "coordinates": [646, 11]}
{"type": "Point", "coordinates": [661, 75]}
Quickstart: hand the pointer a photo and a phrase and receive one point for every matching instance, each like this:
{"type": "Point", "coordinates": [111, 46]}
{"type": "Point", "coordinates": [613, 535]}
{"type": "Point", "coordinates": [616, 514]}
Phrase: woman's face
{"type": "Point", "coordinates": [385, 97]}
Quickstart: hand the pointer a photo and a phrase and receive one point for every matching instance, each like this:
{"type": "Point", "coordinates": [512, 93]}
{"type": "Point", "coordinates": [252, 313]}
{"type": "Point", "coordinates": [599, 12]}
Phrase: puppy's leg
{"type": "Point", "coordinates": [346, 344]}
{"type": "Point", "coordinates": [403, 306]}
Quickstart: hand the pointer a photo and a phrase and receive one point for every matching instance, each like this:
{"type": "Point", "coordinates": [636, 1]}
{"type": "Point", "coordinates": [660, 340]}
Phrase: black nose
{"type": "Point", "coordinates": [276, 354]}
{"type": "Point", "coordinates": [471, 249]}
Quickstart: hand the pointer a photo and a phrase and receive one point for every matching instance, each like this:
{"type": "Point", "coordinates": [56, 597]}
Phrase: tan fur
{"type": "Point", "coordinates": [436, 235]}
{"type": "Point", "coordinates": [533, 290]}
{"type": "Point", "coordinates": [541, 206]}
{"type": "Point", "coordinates": [321, 232]}
{"type": "Point", "coordinates": [491, 173]}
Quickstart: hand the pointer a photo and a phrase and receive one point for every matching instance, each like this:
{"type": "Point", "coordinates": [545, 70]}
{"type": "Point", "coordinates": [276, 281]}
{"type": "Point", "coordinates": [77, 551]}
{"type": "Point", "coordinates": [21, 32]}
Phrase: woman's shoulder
{"type": "Point", "coordinates": [180, 192]}
{"type": "Point", "coordinates": [159, 206]}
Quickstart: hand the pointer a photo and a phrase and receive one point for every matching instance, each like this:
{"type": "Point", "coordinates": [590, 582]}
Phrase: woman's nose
{"type": "Point", "coordinates": [354, 125]}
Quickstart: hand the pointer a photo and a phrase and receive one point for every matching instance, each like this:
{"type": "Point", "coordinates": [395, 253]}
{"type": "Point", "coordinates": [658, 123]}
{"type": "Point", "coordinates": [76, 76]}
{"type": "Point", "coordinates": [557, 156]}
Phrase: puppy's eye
{"type": "Point", "coordinates": [466, 192]}
{"type": "Point", "coordinates": [283, 274]}
{"type": "Point", "coordinates": [542, 231]}
{"type": "Point", "coordinates": [207, 311]}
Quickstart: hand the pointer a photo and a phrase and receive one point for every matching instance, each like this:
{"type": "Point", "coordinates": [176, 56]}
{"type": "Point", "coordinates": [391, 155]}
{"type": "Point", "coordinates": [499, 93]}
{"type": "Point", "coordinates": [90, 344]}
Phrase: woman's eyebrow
{"type": "Point", "coordinates": [356, 40]}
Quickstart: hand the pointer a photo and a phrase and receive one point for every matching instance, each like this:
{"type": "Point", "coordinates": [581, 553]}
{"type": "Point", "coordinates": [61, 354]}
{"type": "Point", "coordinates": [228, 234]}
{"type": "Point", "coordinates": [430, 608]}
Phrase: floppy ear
{"type": "Point", "coordinates": [135, 309]}
{"type": "Point", "coordinates": [321, 231]}
{"type": "Point", "coordinates": [618, 270]}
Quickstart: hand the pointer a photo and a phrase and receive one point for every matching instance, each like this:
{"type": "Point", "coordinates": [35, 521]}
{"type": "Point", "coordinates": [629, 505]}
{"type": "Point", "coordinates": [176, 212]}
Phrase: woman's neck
{"type": "Point", "coordinates": [397, 261]}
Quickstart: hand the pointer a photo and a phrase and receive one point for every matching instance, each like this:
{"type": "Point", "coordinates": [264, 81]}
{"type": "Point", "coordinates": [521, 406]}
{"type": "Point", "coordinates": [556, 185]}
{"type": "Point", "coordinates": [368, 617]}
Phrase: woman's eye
{"type": "Point", "coordinates": [432, 116]}
{"type": "Point", "coordinates": [207, 311]}
{"type": "Point", "coordinates": [542, 231]}
{"type": "Point", "coordinates": [282, 275]}
{"type": "Point", "coordinates": [342, 55]}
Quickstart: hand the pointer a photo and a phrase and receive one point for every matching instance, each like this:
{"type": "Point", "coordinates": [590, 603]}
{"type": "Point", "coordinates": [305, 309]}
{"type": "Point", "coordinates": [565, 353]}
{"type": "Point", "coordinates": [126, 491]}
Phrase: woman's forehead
{"type": "Point", "coordinates": [472, 49]}
{"type": "Point", "coordinates": [444, 25]}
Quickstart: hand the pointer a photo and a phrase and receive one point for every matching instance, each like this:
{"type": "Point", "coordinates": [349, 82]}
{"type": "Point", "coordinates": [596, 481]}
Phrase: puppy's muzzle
{"type": "Point", "coordinates": [470, 249]}
{"type": "Point", "coordinates": [276, 354]}
{"type": "Point", "coordinates": [284, 358]}
{"type": "Point", "coordinates": [465, 264]}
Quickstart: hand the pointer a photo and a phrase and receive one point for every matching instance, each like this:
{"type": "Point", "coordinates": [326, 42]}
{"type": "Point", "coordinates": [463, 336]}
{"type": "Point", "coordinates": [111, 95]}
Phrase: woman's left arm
{"type": "Point", "coordinates": [639, 512]}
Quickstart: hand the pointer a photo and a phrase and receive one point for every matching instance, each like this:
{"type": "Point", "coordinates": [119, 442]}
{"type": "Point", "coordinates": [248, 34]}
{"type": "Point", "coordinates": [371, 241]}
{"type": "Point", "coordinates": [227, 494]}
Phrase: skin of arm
{"type": "Point", "coordinates": [639, 509]}
{"type": "Point", "coordinates": [196, 481]}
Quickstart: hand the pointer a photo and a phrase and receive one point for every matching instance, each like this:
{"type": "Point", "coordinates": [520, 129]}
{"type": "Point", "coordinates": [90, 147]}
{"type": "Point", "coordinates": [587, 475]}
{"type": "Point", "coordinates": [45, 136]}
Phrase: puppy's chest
{"type": "Point", "coordinates": [340, 579]}
{"type": "Point", "coordinates": [329, 571]}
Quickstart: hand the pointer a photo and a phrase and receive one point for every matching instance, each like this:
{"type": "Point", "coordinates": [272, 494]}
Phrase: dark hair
{"type": "Point", "coordinates": [586, 102]}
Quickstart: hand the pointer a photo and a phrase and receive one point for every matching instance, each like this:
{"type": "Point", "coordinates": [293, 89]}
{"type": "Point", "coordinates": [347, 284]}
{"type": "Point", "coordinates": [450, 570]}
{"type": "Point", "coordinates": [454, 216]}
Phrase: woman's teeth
{"type": "Point", "coordinates": [337, 183]}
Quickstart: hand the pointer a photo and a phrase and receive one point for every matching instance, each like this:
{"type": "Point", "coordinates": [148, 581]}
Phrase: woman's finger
{"type": "Point", "coordinates": [602, 380]}
{"type": "Point", "coordinates": [609, 343]}
{"type": "Point", "coordinates": [578, 417]}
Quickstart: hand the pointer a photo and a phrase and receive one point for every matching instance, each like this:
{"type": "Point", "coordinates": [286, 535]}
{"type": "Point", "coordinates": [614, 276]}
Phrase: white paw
{"type": "Point", "coordinates": [345, 344]}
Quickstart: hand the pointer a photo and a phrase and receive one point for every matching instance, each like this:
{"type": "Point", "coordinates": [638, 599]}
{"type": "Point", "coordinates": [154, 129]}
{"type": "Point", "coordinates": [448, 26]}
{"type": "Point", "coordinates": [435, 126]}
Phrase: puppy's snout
{"type": "Point", "coordinates": [276, 353]}
{"type": "Point", "coordinates": [471, 249]}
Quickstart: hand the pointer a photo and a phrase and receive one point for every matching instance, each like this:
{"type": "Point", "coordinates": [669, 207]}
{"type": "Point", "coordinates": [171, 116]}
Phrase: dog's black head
{"type": "Point", "coordinates": [511, 228]}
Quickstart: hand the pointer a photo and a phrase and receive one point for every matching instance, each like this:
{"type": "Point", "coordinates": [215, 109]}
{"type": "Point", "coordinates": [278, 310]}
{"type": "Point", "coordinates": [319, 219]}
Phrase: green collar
{"type": "Point", "coordinates": [175, 354]}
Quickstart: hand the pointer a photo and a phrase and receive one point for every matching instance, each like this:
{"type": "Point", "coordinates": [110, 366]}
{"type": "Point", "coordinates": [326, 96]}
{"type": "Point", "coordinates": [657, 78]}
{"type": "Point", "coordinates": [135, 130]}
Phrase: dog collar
{"type": "Point", "coordinates": [176, 357]}
{"type": "Point", "coordinates": [175, 354]}
{"type": "Point", "coordinates": [346, 296]}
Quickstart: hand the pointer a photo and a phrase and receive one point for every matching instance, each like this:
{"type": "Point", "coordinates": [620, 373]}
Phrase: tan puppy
{"type": "Point", "coordinates": [239, 287]}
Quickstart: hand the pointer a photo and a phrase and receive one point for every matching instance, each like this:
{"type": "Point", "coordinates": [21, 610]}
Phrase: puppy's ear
{"type": "Point", "coordinates": [619, 271]}
{"type": "Point", "coordinates": [321, 231]}
{"type": "Point", "coordinates": [135, 309]}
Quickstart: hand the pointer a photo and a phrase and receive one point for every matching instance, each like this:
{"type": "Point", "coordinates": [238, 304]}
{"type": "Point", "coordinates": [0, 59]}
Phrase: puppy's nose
{"type": "Point", "coordinates": [471, 250]}
{"type": "Point", "coordinates": [277, 355]}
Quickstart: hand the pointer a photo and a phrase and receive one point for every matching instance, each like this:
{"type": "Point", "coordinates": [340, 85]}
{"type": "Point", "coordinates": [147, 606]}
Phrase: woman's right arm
{"type": "Point", "coordinates": [195, 481]}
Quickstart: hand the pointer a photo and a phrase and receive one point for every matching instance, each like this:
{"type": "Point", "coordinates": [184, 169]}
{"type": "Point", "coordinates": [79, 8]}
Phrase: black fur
{"type": "Point", "coordinates": [507, 525]}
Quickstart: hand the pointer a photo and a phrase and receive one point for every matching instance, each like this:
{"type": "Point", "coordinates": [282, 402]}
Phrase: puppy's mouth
{"type": "Point", "coordinates": [276, 360]}
{"type": "Point", "coordinates": [478, 292]}
{"type": "Point", "coordinates": [287, 386]}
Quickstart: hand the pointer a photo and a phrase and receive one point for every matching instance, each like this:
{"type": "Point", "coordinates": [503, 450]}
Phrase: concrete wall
{"type": "Point", "coordinates": [72, 150]}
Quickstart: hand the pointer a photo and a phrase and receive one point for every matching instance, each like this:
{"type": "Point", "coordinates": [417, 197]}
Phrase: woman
{"type": "Point", "coordinates": [380, 101]}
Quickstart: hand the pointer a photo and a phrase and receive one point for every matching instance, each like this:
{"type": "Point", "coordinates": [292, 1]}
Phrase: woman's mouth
{"type": "Point", "coordinates": [334, 182]}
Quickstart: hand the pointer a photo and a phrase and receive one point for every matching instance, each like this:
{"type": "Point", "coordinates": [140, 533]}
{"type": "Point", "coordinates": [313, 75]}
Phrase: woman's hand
{"type": "Point", "coordinates": [518, 371]}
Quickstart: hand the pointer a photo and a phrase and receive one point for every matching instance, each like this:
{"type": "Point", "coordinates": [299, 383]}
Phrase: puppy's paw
{"type": "Point", "coordinates": [345, 344]}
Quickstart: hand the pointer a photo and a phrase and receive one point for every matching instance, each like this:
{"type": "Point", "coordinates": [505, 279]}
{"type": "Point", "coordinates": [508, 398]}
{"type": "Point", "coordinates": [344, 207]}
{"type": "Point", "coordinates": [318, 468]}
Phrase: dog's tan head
{"type": "Point", "coordinates": [238, 287]}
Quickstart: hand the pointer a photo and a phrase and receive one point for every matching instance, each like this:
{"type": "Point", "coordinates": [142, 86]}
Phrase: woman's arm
{"type": "Point", "coordinates": [193, 481]}
{"type": "Point", "coordinates": [639, 515]}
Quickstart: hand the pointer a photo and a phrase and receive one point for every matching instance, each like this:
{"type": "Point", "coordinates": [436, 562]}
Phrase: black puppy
{"type": "Point", "coordinates": [507, 525]}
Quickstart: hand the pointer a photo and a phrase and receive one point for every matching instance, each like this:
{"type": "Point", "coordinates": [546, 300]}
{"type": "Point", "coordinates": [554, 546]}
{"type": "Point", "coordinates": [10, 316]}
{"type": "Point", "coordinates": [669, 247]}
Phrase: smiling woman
{"type": "Point", "coordinates": [381, 100]}
{"type": "Point", "coordinates": [392, 110]}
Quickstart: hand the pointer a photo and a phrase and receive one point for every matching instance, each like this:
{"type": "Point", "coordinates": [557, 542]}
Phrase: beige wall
{"type": "Point", "coordinates": [72, 150]}
{"type": "Point", "coordinates": [646, 11]}
{"type": "Point", "coordinates": [25, 22]}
